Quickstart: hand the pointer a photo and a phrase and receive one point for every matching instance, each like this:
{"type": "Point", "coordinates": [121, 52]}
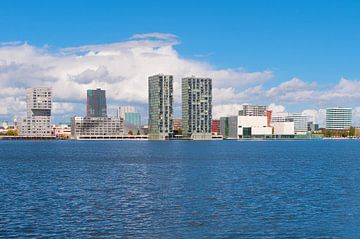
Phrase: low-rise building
{"type": "Point", "coordinates": [62, 131]}
{"type": "Point", "coordinates": [96, 126]}
{"type": "Point", "coordinates": [242, 127]}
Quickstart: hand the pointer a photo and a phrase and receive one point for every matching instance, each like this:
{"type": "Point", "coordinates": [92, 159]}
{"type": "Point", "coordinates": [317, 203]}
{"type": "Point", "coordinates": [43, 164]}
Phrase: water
{"type": "Point", "coordinates": [219, 189]}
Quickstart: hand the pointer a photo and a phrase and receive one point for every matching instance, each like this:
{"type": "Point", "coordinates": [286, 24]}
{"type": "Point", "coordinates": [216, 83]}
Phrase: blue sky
{"type": "Point", "coordinates": [315, 41]}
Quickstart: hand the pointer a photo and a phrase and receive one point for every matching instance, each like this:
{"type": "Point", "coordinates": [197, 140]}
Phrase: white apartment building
{"type": "Point", "coordinates": [37, 122]}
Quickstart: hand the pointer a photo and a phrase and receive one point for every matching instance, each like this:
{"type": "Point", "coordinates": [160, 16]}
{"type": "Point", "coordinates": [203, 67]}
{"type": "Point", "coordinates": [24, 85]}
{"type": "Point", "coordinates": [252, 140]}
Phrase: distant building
{"type": "Point", "coordinates": [312, 126]}
{"type": "Point", "coordinates": [62, 131]}
{"type": "Point", "coordinates": [38, 120]}
{"type": "Point", "coordinates": [253, 110]}
{"type": "Point", "coordinates": [338, 118]}
{"type": "Point", "coordinates": [160, 106]}
{"type": "Point", "coordinates": [197, 108]}
{"type": "Point", "coordinates": [284, 128]}
{"type": "Point", "coordinates": [96, 103]}
{"type": "Point", "coordinates": [300, 122]}
{"type": "Point", "coordinates": [96, 126]}
{"type": "Point", "coordinates": [279, 117]}
{"type": "Point", "coordinates": [125, 109]}
{"type": "Point", "coordinates": [133, 118]}
{"type": "Point", "coordinates": [177, 124]}
{"type": "Point", "coordinates": [215, 127]}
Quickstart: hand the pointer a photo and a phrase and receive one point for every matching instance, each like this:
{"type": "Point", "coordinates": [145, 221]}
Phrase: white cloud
{"type": "Point", "coordinates": [120, 68]}
{"type": "Point", "coordinates": [225, 110]}
{"type": "Point", "coordinates": [276, 108]}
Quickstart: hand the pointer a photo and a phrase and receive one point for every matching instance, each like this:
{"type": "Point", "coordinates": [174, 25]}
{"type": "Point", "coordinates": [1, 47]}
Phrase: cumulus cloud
{"type": "Point", "coordinates": [121, 68]}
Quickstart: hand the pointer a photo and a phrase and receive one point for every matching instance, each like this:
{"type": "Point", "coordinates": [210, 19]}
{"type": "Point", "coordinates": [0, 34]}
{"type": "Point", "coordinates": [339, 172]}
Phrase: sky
{"type": "Point", "coordinates": [296, 56]}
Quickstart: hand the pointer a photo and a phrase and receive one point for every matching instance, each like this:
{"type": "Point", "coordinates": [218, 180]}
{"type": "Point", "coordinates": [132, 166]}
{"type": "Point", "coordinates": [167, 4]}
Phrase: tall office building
{"type": "Point", "coordinates": [197, 107]}
{"type": "Point", "coordinates": [38, 120]}
{"type": "Point", "coordinates": [96, 103]}
{"type": "Point", "coordinates": [253, 110]}
{"type": "Point", "coordinates": [160, 106]}
{"type": "Point", "coordinates": [338, 118]}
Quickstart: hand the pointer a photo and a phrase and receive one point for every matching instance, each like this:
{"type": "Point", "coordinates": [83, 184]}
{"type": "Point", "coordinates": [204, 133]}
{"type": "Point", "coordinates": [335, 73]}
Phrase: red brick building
{"type": "Point", "coordinates": [215, 127]}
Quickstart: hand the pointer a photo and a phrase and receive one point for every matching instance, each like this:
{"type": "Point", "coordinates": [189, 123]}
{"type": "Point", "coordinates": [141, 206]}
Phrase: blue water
{"type": "Point", "coordinates": [219, 189]}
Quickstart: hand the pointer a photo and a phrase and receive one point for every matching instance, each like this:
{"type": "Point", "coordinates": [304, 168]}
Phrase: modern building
{"type": "Point", "coordinates": [96, 126]}
{"type": "Point", "coordinates": [215, 127]}
{"type": "Point", "coordinates": [96, 103]}
{"type": "Point", "coordinates": [253, 110]}
{"type": "Point", "coordinates": [160, 106]}
{"type": "Point", "coordinates": [38, 120]}
{"type": "Point", "coordinates": [125, 109]}
{"type": "Point", "coordinates": [253, 127]}
{"type": "Point", "coordinates": [279, 117]}
{"type": "Point", "coordinates": [177, 124]}
{"type": "Point", "coordinates": [197, 108]}
{"type": "Point", "coordinates": [338, 118]}
{"type": "Point", "coordinates": [300, 122]}
{"type": "Point", "coordinates": [133, 118]}
{"type": "Point", "coordinates": [243, 127]}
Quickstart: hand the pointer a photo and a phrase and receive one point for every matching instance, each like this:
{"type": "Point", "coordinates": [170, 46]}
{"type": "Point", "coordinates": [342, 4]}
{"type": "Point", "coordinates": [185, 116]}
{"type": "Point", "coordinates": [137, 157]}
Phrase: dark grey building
{"type": "Point", "coordinates": [160, 106]}
{"type": "Point", "coordinates": [96, 103]}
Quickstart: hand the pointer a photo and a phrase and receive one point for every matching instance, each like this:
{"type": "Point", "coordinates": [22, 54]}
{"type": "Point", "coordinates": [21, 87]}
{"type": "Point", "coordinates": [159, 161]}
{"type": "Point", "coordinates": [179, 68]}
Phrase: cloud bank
{"type": "Point", "coordinates": [122, 69]}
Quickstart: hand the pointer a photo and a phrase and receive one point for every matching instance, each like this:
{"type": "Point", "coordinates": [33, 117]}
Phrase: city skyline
{"type": "Point", "coordinates": [291, 66]}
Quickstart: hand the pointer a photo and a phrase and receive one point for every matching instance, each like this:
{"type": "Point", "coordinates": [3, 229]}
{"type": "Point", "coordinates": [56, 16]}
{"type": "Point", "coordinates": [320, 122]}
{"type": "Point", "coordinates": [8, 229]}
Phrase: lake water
{"type": "Point", "coordinates": [180, 189]}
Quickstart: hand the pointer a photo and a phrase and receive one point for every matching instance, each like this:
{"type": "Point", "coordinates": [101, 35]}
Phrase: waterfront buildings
{"type": "Point", "coordinates": [99, 125]}
{"type": "Point", "coordinates": [160, 106]}
{"type": "Point", "coordinates": [196, 107]}
{"type": "Point", "coordinates": [338, 118]}
{"type": "Point", "coordinates": [96, 126]}
{"type": "Point", "coordinates": [96, 103]}
{"type": "Point", "coordinates": [37, 122]}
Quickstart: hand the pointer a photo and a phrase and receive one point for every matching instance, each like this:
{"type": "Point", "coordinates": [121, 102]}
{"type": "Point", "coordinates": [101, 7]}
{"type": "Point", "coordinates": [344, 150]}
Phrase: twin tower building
{"type": "Point", "coordinates": [196, 107]}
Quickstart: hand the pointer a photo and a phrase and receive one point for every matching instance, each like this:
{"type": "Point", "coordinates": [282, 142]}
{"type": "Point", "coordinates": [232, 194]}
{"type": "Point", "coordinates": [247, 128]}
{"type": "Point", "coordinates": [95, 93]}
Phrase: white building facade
{"type": "Point", "coordinates": [37, 123]}
{"type": "Point", "coordinates": [338, 118]}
